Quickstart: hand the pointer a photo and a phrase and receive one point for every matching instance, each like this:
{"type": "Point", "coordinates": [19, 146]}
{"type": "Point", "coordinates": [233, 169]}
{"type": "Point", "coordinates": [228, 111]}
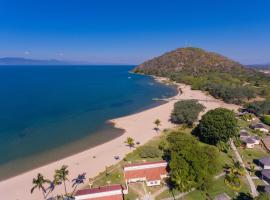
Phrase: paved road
{"type": "Point", "coordinates": [254, 191]}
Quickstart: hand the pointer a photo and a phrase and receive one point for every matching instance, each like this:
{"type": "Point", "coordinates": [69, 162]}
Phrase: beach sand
{"type": "Point", "coordinates": [138, 126]}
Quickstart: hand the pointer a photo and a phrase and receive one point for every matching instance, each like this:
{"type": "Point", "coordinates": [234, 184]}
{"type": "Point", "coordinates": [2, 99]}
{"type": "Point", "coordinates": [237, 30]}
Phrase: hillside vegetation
{"type": "Point", "coordinates": [221, 77]}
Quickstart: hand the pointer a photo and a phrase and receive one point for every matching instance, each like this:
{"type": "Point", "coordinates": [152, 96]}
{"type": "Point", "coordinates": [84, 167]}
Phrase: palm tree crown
{"type": "Point", "coordinates": [39, 183]}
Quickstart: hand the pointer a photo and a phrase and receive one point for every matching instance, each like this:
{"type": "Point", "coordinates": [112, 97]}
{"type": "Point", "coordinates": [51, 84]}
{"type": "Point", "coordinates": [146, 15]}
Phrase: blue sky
{"type": "Point", "coordinates": [131, 31]}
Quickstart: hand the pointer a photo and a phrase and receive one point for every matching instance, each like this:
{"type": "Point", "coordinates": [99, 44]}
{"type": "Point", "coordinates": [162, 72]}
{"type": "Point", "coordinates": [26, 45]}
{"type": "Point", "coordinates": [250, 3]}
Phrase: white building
{"type": "Point", "coordinates": [113, 192]}
{"type": "Point", "coordinates": [265, 162]}
{"type": "Point", "coordinates": [151, 172]}
{"type": "Point", "coordinates": [260, 127]}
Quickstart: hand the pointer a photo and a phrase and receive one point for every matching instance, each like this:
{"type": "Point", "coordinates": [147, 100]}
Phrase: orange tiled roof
{"type": "Point", "coordinates": [114, 197]}
{"type": "Point", "coordinates": [150, 174]}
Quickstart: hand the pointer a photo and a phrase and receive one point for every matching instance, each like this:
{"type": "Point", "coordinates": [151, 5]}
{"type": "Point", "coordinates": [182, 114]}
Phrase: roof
{"type": "Point", "coordinates": [113, 197]}
{"type": "Point", "coordinates": [266, 173]}
{"type": "Point", "coordinates": [259, 125]}
{"type": "Point", "coordinates": [244, 133]}
{"type": "Point", "coordinates": [265, 161]}
{"type": "Point", "coordinates": [146, 163]}
{"type": "Point", "coordinates": [223, 196]}
{"type": "Point", "coordinates": [150, 174]}
{"type": "Point", "coordinates": [255, 137]}
{"type": "Point", "coordinates": [98, 190]}
{"type": "Point", "coordinates": [249, 140]}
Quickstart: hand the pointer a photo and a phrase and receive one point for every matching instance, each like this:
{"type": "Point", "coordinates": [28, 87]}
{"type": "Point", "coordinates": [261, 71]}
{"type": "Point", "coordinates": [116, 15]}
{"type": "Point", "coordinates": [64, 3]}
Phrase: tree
{"type": "Point", "coordinates": [191, 165]}
{"type": "Point", "coordinates": [157, 122]}
{"type": "Point", "coordinates": [216, 126]}
{"type": "Point", "coordinates": [61, 176]}
{"type": "Point", "coordinates": [130, 142]}
{"type": "Point", "coordinates": [39, 183]}
{"type": "Point", "coordinates": [77, 181]}
{"type": "Point", "coordinates": [186, 112]}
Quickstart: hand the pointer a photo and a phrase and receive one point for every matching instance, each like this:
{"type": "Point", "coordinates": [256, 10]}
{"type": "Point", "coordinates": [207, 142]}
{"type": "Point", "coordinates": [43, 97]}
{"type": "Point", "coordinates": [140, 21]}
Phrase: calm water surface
{"type": "Point", "coordinates": [47, 107]}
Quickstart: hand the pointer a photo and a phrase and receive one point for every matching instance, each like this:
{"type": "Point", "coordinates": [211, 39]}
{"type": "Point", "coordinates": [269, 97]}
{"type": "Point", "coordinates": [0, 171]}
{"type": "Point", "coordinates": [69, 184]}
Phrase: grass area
{"type": "Point", "coordinates": [131, 195]}
{"type": "Point", "coordinates": [218, 188]}
{"type": "Point", "coordinates": [243, 124]}
{"type": "Point", "coordinates": [114, 174]}
{"type": "Point", "coordinates": [168, 193]}
{"type": "Point", "coordinates": [249, 155]}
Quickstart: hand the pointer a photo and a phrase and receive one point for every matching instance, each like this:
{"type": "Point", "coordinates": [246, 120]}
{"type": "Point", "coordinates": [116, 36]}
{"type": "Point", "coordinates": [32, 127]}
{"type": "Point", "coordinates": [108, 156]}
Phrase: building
{"type": "Point", "coordinates": [265, 162]}
{"type": "Point", "coordinates": [244, 134]}
{"type": "Point", "coordinates": [151, 172]}
{"type": "Point", "coordinates": [266, 175]}
{"type": "Point", "coordinates": [113, 192]}
{"type": "Point", "coordinates": [256, 139]}
{"type": "Point", "coordinates": [249, 142]}
{"type": "Point", "coordinates": [261, 127]}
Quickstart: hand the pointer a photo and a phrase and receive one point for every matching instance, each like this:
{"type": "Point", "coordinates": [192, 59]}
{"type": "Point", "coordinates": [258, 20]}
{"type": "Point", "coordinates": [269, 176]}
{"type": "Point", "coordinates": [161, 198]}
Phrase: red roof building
{"type": "Point", "coordinates": [113, 192]}
{"type": "Point", "coordinates": [151, 172]}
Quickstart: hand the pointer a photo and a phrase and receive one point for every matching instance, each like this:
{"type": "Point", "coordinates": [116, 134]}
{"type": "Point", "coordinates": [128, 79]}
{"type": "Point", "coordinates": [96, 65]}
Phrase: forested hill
{"type": "Point", "coordinates": [220, 76]}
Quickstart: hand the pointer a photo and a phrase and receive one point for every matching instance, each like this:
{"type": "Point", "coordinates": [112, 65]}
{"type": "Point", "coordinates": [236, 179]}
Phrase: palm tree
{"type": "Point", "coordinates": [157, 122]}
{"type": "Point", "coordinates": [78, 180]}
{"type": "Point", "coordinates": [39, 183]}
{"type": "Point", "coordinates": [61, 176]}
{"type": "Point", "coordinates": [130, 142]}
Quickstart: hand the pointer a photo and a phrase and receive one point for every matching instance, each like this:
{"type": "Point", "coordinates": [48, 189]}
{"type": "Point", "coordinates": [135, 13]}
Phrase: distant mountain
{"type": "Point", "coordinates": [190, 60]}
{"type": "Point", "coordinates": [26, 61]}
{"type": "Point", "coordinates": [260, 66]}
{"type": "Point", "coordinates": [220, 76]}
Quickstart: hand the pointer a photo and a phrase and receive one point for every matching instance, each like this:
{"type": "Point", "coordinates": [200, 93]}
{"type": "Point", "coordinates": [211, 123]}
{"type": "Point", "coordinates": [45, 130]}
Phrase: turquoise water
{"type": "Point", "coordinates": [47, 107]}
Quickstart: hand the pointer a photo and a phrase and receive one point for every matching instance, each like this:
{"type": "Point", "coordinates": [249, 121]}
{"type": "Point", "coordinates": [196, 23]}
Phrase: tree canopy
{"type": "Point", "coordinates": [191, 164]}
{"type": "Point", "coordinates": [186, 112]}
{"type": "Point", "coordinates": [217, 125]}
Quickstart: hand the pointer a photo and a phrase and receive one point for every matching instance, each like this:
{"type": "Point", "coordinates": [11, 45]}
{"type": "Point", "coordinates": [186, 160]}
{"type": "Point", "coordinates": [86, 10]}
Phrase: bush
{"type": "Point", "coordinates": [216, 126]}
{"type": "Point", "coordinates": [186, 112]}
{"type": "Point", "coordinates": [266, 119]}
{"type": "Point", "coordinates": [259, 107]}
{"type": "Point", "coordinates": [149, 152]}
{"type": "Point", "coordinates": [191, 164]}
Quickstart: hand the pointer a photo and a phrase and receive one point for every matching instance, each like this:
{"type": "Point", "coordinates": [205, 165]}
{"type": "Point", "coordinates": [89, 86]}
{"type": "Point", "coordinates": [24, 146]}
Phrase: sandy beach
{"type": "Point", "coordinates": [139, 126]}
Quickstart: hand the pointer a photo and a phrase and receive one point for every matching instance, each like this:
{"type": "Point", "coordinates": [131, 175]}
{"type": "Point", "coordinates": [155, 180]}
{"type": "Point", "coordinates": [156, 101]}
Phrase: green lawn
{"type": "Point", "coordinates": [219, 187]}
{"type": "Point", "coordinates": [249, 155]}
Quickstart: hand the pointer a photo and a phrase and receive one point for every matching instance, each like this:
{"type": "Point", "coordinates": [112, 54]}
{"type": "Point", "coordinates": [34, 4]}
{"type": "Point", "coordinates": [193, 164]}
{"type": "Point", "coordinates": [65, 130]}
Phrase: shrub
{"type": "Point", "coordinates": [266, 119]}
{"type": "Point", "coordinates": [186, 112]}
{"type": "Point", "coordinates": [216, 126]}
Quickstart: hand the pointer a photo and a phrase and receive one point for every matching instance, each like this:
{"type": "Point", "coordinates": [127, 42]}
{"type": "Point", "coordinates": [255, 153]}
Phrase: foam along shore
{"type": "Point", "coordinates": [94, 160]}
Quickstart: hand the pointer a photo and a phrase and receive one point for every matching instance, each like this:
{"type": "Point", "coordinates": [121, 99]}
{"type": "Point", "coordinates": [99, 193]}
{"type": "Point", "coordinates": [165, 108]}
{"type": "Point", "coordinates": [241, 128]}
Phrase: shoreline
{"type": "Point", "coordinates": [103, 134]}
{"type": "Point", "coordinates": [94, 160]}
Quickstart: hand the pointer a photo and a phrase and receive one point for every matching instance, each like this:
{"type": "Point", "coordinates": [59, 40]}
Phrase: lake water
{"type": "Point", "coordinates": [45, 108]}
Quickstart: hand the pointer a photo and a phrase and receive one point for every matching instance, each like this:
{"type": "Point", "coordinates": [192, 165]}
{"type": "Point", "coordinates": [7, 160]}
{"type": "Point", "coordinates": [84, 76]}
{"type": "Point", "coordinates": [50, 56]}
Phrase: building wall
{"type": "Point", "coordinates": [147, 166]}
{"type": "Point", "coordinates": [153, 183]}
{"type": "Point", "coordinates": [99, 195]}
{"type": "Point", "coordinates": [249, 146]}
{"type": "Point", "coordinates": [134, 180]}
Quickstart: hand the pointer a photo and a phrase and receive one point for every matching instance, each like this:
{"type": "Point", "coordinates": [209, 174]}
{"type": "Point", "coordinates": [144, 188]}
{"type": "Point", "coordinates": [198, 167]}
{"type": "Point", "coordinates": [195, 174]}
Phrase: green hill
{"type": "Point", "coordinates": [220, 76]}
